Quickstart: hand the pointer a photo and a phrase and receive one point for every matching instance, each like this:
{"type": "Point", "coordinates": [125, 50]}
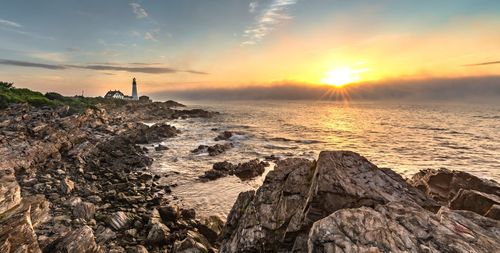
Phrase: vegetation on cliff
{"type": "Point", "coordinates": [12, 95]}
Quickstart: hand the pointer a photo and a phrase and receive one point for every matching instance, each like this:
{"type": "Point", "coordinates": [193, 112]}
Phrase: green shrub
{"type": "Point", "coordinates": [4, 101]}
{"type": "Point", "coordinates": [54, 96]}
{"type": "Point", "coordinates": [6, 85]}
{"type": "Point", "coordinates": [40, 101]}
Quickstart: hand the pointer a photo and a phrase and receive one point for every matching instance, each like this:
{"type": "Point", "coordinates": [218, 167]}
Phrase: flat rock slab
{"type": "Point", "coordinates": [443, 184]}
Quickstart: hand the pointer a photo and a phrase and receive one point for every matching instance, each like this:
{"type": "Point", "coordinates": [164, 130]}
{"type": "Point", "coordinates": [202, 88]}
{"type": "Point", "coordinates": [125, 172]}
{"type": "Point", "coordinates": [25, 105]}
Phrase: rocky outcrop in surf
{"type": "Point", "coordinates": [344, 203]}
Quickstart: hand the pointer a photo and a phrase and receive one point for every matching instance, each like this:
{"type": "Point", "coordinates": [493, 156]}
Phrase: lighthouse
{"type": "Point", "coordinates": [134, 90]}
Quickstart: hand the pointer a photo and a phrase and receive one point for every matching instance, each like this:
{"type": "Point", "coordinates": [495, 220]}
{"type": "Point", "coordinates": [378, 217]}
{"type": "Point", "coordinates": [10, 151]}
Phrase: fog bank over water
{"type": "Point", "coordinates": [483, 89]}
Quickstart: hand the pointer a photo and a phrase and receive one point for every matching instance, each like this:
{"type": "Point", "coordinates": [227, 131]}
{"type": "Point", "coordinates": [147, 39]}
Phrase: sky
{"type": "Point", "coordinates": [190, 46]}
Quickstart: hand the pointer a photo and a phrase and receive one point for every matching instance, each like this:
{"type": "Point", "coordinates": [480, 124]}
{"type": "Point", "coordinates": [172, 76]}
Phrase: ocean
{"type": "Point", "coordinates": [405, 137]}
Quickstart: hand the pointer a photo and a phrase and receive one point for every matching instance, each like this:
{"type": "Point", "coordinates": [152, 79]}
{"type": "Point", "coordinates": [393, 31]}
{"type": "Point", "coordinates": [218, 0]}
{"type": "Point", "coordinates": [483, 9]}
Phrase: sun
{"type": "Point", "coordinates": [341, 77]}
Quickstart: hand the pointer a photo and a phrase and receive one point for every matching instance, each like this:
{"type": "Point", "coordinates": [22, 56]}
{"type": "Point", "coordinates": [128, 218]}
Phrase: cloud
{"type": "Point", "coordinates": [30, 64]}
{"type": "Point", "coordinates": [138, 10]}
{"type": "Point", "coordinates": [48, 56]}
{"type": "Point", "coordinates": [152, 35]}
{"type": "Point", "coordinates": [252, 7]}
{"type": "Point", "coordinates": [485, 88]}
{"type": "Point", "coordinates": [483, 63]}
{"type": "Point", "coordinates": [8, 23]}
{"type": "Point", "coordinates": [267, 21]}
{"type": "Point", "coordinates": [103, 67]}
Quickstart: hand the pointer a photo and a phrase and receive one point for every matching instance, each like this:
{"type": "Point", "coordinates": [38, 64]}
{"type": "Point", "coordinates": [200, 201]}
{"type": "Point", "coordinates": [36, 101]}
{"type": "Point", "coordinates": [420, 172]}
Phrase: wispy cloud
{"type": "Point", "coordinates": [30, 64]}
{"type": "Point", "coordinates": [267, 21]}
{"type": "Point", "coordinates": [483, 63]}
{"type": "Point", "coordinates": [152, 35]}
{"type": "Point", "coordinates": [252, 7]}
{"type": "Point", "coordinates": [14, 27]}
{"type": "Point", "coordinates": [103, 67]}
{"type": "Point", "coordinates": [8, 23]}
{"type": "Point", "coordinates": [138, 10]}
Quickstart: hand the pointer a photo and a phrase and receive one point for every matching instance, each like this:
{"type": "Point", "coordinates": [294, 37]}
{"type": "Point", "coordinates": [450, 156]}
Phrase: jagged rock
{"type": "Point", "coordinates": [494, 212]}
{"type": "Point", "coordinates": [104, 234]}
{"type": "Point", "coordinates": [244, 171]}
{"type": "Point", "coordinates": [84, 210]}
{"type": "Point", "coordinates": [224, 136]}
{"type": "Point", "coordinates": [193, 243]}
{"type": "Point", "coordinates": [478, 202]}
{"type": "Point", "coordinates": [160, 147]}
{"type": "Point", "coordinates": [188, 213]}
{"type": "Point", "coordinates": [17, 225]}
{"type": "Point", "coordinates": [213, 150]}
{"type": "Point", "coordinates": [138, 249]}
{"type": "Point", "coordinates": [399, 227]}
{"type": "Point", "coordinates": [169, 213]}
{"type": "Point", "coordinates": [158, 234]}
{"type": "Point", "coordinates": [119, 220]}
{"type": "Point", "coordinates": [443, 184]}
{"type": "Point", "coordinates": [251, 169]}
{"type": "Point", "coordinates": [67, 185]}
{"type": "Point", "coordinates": [211, 228]}
{"type": "Point", "coordinates": [10, 192]}
{"type": "Point", "coordinates": [299, 192]}
{"type": "Point", "coordinates": [78, 241]}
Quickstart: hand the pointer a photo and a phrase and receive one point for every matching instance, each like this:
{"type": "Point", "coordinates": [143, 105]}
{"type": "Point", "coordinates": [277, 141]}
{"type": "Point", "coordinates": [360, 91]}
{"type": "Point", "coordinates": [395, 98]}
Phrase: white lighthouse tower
{"type": "Point", "coordinates": [134, 90]}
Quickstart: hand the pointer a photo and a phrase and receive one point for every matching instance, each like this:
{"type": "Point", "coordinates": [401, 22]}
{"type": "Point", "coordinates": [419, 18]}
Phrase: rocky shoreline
{"type": "Point", "coordinates": [81, 183]}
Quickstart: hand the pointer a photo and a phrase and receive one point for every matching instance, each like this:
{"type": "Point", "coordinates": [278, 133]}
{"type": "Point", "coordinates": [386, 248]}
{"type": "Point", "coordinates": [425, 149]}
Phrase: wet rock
{"type": "Point", "coordinates": [160, 148]}
{"type": "Point", "coordinates": [218, 149]}
{"type": "Point", "coordinates": [119, 220]}
{"type": "Point", "coordinates": [10, 192]}
{"type": "Point", "coordinates": [158, 234]}
{"type": "Point", "coordinates": [84, 210]}
{"type": "Point", "coordinates": [399, 227]}
{"type": "Point", "coordinates": [298, 193]}
{"type": "Point", "coordinates": [443, 184]}
{"type": "Point", "coordinates": [475, 201]}
{"type": "Point", "coordinates": [224, 136]}
{"type": "Point", "coordinates": [80, 240]}
{"type": "Point", "coordinates": [251, 169]}
{"type": "Point", "coordinates": [214, 150]}
{"type": "Point", "coordinates": [244, 171]}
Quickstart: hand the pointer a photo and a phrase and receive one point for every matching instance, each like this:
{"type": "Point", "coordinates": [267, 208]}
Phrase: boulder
{"type": "Point", "coordinates": [158, 234]}
{"type": "Point", "coordinates": [443, 184]}
{"type": "Point", "coordinates": [84, 210]}
{"type": "Point", "coordinates": [211, 228]}
{"type": "Point", "coordinates": [193, 243]}
{"type": "Point", "coordinates": [399, 227]}
{"type": "Point", "coordinates": [250, 169]}
{"type": "Point", "coordinates": [169, 213]}
{"type": "Point", "coordinates": [299, 192]}
{"type": "Point", "coordinates": [224, 136]}
{"type": "Point", "coordinates": [475, 201]}
{"type": "Point", "coordinates": [78, 241]}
